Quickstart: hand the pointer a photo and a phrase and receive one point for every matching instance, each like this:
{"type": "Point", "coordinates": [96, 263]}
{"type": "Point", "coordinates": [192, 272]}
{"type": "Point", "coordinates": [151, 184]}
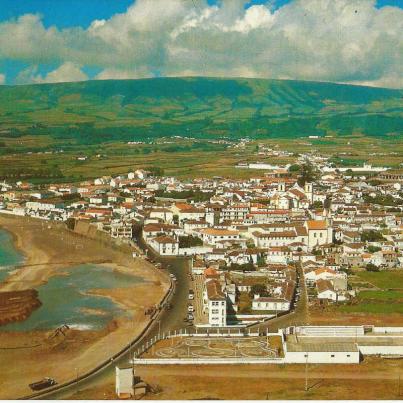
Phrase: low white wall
{"type": "Point", "coordinates": [331, 331]}
{"type": "Point", "coordinates": [195, 250]}
{"type": "Point", "coordinates": [389, 329]}
{"type": "Point", "coordinates": [322, 357]}
{"type": "Point", "coordinates": [384, 350]}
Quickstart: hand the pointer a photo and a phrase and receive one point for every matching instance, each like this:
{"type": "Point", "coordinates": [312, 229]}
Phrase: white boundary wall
{"type": "Point", "coordinates": [384, 350]}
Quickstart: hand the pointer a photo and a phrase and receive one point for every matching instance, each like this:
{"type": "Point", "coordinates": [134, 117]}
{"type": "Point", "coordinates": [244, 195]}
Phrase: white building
{"type": "Point", "coordinates": [216, 303]}
{"type": "Point", "coordinates": [124, 382]}
{"type": "Point", "coordinates": [212, 236]}
{"type": "Point", "coordinates": [165, 245]}
{"type": "Point", "coordinates": [319, 233]}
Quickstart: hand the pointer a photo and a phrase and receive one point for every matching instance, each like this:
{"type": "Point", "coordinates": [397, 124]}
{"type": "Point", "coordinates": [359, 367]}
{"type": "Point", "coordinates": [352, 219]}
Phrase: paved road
{"type": "Point", "coordinates": [299, 316]}
{"type": "Point", "coordinates": [170, 320]}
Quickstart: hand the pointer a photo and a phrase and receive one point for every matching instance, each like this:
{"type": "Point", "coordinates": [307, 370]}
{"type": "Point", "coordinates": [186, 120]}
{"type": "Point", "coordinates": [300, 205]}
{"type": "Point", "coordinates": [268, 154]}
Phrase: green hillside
{"type": "Point", "coordinates": [94, 112]}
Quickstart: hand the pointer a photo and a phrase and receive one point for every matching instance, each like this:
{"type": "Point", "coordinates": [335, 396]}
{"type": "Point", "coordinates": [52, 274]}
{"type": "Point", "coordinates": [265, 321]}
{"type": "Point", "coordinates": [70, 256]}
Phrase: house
{"type": "Point", "coordinates": [319, 233]}
{"type": "Point", "coordinates": [213, 236]}
{"type": "Point", "coordinates": [270, 304]}
{"type": "Point", "coordinates": [165, 245]}
{"type": "Point", "coordinates": [326, 291]}
{"type": "Point", "coordinates": [216, 303]}
{"type": "Point", "coordinates": [121, 230]}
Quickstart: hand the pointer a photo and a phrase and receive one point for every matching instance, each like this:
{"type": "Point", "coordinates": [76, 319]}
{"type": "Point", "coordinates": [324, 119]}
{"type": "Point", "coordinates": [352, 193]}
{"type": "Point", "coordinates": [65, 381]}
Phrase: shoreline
{"type": "Point", "coordinates": [82, 349]}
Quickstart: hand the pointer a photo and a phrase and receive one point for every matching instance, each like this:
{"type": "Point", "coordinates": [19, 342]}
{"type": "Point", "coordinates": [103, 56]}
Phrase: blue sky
{"type": "Point", "coordinates": [69, 13]}
{"type": "Point", "coordinates": [58, 40]}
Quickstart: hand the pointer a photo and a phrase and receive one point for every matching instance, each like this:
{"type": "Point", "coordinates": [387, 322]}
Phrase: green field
{"type": "Point", "coordinates": [100, 117]}
{"type": "Point", "coordinates": [383, 279]}
{"type": "Point", "coordinates": [387, 299]}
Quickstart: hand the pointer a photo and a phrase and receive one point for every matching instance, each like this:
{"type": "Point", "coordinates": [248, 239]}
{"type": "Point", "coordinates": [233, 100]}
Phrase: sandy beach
{"type": "Point", "coordinates": [47, 247]}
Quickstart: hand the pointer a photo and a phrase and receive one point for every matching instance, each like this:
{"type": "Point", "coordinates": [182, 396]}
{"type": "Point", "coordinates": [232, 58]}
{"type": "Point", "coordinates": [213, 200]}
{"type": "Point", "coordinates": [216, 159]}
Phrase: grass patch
{"type": "Point", "coordinates": [383, 279]}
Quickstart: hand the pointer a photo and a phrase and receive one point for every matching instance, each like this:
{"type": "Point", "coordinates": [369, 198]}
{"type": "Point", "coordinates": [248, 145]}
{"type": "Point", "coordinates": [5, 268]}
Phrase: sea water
{"type": "Point", "coordinates": [65, 299]}
{"type": "Point", "coordinates": [9, 256]}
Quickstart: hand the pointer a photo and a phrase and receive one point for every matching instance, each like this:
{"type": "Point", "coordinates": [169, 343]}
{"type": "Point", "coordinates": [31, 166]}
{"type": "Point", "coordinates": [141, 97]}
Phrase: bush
{"type": "Point", "coordinates": [373, 249]}
{"type": "Point", "coordinates": [260, 289]}
{"type": "Point", "coordinates": [371, 236]}
{"type": "Point", "coordinates": [189, 241]}
{"type": "Point", "coordinates": [371, 267]}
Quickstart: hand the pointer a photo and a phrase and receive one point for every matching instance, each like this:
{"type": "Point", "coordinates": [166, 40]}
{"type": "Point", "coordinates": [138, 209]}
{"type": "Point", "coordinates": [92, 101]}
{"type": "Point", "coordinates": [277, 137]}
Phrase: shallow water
{"type": "Point", "coordinates": [64, 299]}
{"type": "Point", "coordinates": [9, 256]}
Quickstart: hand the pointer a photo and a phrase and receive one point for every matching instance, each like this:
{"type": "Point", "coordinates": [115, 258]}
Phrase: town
{"type": "Point", "coordinates": [257, 244]}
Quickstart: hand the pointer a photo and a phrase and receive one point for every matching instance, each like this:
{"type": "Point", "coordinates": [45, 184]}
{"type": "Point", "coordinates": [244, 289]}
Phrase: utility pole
{"type": "Point", "coordinates": [306, 373]}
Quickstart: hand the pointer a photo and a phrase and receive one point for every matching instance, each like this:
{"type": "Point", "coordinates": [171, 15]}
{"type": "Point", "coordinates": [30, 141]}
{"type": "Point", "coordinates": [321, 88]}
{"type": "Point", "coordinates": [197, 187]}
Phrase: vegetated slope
{"type": "Point", "coordinates": [98, 111]}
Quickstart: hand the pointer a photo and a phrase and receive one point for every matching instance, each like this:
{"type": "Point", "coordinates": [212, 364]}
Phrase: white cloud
{"type": "Point", "coordinates": [328, 40]}
{"type": "Point", "coordinates": [67, 72]}
{"type": "Point", "coordinates": [110, 74]}
{"type": "Point", "coordinates": [2, 79]}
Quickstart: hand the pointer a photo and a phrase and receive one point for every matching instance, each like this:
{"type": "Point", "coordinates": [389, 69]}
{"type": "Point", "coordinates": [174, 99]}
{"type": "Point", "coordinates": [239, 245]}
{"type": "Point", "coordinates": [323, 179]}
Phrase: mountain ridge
{"type": "Point", "coordinates": [97, 111]}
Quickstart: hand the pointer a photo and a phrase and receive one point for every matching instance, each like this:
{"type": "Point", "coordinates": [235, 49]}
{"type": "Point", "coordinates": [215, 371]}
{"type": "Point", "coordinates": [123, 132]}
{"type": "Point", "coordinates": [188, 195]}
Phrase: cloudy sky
{"type": "Point", "coordinates": [353, 41]}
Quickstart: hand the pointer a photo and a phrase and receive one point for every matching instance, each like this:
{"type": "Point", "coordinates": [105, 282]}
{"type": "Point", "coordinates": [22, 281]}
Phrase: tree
{"type": "Point", "coordinates": [373, 249]}
{"type": "Point", "coordinates": [317, 204]}
{"type": "Point", "coordinates": [260, 289]}
{"type": "Point", "coordinates": [189, 241]}
{"type": "Point", "coordinates": [294, 168]}
{"type": "Point", "coordinates": [308, 174]}
{"type": "Point", "coordinates": [371, 267]}
{"type": "Point", "coordinates": [70, 223]}
{"type": "Point", "coordinates": [261, 262]}
{"type": "Point", "coordinates": [371, 236]}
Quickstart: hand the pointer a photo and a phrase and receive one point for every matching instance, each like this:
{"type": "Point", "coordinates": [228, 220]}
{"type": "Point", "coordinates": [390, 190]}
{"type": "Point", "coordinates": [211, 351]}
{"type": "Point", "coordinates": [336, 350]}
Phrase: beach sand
{"type": "Point", "coordinates": [47, 246]}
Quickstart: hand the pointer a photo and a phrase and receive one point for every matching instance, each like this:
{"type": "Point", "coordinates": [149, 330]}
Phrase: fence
{"type": "Point", "coordinates": [206, 361]}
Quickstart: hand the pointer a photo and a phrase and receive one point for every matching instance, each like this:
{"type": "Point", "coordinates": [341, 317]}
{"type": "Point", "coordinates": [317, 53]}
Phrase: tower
{"type": "Point", "coordinates": [281, 187]}
{"type": "Point", "coordinates": [308, 188]}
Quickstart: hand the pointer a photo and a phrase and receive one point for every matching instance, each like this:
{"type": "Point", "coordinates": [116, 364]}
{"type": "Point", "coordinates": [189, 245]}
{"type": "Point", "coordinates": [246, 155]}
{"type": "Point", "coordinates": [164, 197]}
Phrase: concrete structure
{"type": "Point", "coordinates": [124, 382]}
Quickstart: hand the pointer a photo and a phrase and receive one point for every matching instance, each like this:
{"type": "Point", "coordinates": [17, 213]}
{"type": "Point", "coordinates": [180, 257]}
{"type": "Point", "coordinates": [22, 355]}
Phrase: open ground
{"type": "Point", "coordinates": [372, 379]}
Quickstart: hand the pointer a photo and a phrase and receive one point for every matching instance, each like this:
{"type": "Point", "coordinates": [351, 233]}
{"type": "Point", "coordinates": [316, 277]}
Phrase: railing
{"type": "Point", "coordinates": [206, 361]}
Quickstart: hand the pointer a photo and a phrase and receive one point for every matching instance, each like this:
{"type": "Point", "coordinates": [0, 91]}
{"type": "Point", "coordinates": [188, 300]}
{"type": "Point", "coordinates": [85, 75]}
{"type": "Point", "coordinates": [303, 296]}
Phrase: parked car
{"type": "Point", "coordinates": [42, 384]}
{"type": "Point", "coordinates": [190, 308]}
{"type": "Point", "coordinates": [191, 296]}
{"type": "Point", "coordinates": [190, 316]}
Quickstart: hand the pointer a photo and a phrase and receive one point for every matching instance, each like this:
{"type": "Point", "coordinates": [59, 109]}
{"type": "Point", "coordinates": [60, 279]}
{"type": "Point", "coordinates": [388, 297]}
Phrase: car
{"type": "Point", "coordinates": [42, 384]}
{"type": "Point", "coordinates": [190, 308]}
{"type": "Point", "coordinates": [191, 296]}
{"type": "Point", "coordinates": [174, 278]}
{"type": "Point", "coordinates": [171, 275]}
{"type": "Point", "coordinates": [190, 316]}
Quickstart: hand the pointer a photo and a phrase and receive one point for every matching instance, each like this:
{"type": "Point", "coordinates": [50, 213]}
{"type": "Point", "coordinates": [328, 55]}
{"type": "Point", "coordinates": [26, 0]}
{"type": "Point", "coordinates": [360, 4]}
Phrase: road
{"type": "Point", "coordinates": [170, 320]}
{"type": "Point", "coordinates": [173, 320]}
{"type": "Point", "coordinates": [299, 316]}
